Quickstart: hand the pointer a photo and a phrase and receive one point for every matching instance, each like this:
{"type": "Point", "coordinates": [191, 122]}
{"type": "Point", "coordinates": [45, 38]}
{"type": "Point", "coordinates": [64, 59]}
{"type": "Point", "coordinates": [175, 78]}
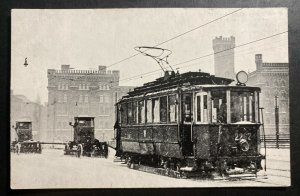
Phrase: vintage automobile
{"type": "Point", "coordinates": [84, 143]}
{"type": "Point", "coordinates": [25, 142]}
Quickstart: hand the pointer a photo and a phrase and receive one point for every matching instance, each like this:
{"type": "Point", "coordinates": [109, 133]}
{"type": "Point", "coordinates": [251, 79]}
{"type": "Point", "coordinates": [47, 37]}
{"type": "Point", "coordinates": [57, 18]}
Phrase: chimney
{"type": "Point", "coordinates": [65, 67]}
{"type": "Point", "coordinates": [258, 61]}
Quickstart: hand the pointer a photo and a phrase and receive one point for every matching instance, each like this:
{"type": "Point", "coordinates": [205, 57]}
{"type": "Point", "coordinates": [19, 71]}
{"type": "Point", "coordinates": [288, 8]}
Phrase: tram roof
{"type": "Point", "coordinates": [186, 81]}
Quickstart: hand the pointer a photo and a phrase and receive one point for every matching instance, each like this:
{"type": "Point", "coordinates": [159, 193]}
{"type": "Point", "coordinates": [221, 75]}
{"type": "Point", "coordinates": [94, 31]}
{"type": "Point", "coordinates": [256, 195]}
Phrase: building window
{"type": "Point", "coordinates": [83, 87]}
{"type": "Point", "coordinates": [101, 99]}
{"type": "Point", "coordinates": [65, 98]}
{"type": "Point", "coordinates": [86, 99]}
{"type": "Point", "coordinates": [283, 83]}
{"type": "Point", "coordinates": [80, 98]}
{"type": "Point", "coordinates": [62, 86]}
{"type": "Point", "coordinates": [59, 99]}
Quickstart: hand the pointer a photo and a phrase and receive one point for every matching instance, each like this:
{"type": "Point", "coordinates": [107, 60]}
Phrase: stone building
{"type": "Point", "coordinates": [82, 92]}
{"type": "Point", "coordinates": [273, 78]}
{"type": "Point", "coordinates": [21, 108]}
{"type": "Point", "coordinates": [224, 56]}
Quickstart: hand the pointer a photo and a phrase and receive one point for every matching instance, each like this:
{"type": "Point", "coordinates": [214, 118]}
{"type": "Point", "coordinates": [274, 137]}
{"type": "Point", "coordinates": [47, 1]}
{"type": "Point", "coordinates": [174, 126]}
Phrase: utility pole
{"type": "Point", "coordinates": [277, 121]}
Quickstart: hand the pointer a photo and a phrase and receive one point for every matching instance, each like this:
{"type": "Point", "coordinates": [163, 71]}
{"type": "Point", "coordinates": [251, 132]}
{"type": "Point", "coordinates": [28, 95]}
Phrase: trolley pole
{"type": "Point", "coordinates": [277, 121]}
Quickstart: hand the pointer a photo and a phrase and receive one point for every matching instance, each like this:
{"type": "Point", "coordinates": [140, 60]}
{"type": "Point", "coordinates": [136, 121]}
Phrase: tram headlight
{"type": "Point", "coordinates": [242, 78]}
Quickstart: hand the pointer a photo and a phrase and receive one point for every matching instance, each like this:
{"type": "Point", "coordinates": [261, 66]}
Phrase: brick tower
{"type": "Point", "coordinates": [224, 61]}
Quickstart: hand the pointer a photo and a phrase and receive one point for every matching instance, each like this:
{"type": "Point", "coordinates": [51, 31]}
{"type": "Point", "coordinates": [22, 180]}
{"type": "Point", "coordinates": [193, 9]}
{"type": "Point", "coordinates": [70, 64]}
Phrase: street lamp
{"type": "Point", "coordinates": [277, 121]}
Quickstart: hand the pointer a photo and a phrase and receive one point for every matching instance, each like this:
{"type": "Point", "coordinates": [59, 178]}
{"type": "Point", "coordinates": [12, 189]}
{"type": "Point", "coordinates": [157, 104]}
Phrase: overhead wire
{"type": "Point", "coordinates": [175, 37]}
{"type": "Point", "coordinates": [211, 54]}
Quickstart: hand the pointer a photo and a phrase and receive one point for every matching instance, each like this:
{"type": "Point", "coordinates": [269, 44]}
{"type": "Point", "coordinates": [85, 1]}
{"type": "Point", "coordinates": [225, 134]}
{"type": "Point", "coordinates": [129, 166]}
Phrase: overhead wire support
{"type": "Point", "coordinates": [160, 58]}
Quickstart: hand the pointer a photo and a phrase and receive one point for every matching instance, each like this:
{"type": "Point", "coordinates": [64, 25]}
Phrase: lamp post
{"type": "Point", "coordinates": [277, 121]}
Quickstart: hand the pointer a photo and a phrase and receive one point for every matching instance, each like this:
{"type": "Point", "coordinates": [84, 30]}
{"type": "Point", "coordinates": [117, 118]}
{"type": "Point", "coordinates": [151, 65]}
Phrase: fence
{"type": "Point", "coordinates": [271, 141]}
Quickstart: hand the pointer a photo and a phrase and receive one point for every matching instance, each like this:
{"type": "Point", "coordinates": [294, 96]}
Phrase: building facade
{"type": "Point", "coordinates": [273, 78]}
{"type": "Point", "coordinates": [81, 92]}
{"type": "Point", "coordinates": [21, 108]}
{"type": "Point", "coordinates": [224, 56]}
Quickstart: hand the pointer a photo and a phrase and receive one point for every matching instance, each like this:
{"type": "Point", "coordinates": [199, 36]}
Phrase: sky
{"type": "Point", "coordinates": [87, 38]}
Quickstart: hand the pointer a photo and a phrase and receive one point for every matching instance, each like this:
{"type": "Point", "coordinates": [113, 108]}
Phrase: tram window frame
{"type": "Point", "coordinates": [141, 112]}
{"type": "Point", "coordinates": [243, 105]}
{"type": "Point", "coordinates": [155, 108]}
{"type": "Point", "coordinates": [201, 110]}
{"type": "Point", "coordinates": [123, 112]}
{"type": "Point", "coordinates": [148, 110]}
{"type": "Point", "coordinates": [185, 106]}
{"type": "Point", "coordinates": [163, 109]}
{"type": "Point", "coordinates": [172, 99]}
{"type": "Point", "coordinates": [131, 113]}
{"type": "Point", "coordinates": [219, 106]}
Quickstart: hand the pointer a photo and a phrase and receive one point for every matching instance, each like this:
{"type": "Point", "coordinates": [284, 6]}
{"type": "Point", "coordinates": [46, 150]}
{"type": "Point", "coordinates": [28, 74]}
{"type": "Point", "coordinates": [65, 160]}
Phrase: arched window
{"type": "Point", "coordinates": [80, 98]}
{"type": "Point", "coordinates": [283, 83]}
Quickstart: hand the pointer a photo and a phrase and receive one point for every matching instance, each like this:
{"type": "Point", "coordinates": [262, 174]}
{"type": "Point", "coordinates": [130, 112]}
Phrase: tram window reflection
{"type": "Point", "coordinates": [148, 111]}
{"type": "Point", "coordinates": [219, 106]}
{"type": "Point", "coordinates": [172, 108]}
{"type": "Point", "coordinates": [163, 109]}
{"type": "Point", "coordinates": [141, 112]}
{"type": "Point", "coordinates": [132, 113]}
{"type": "Point", "coordinates": [155, 109]}
{"type": "Point", "coordinates": [242, 106]}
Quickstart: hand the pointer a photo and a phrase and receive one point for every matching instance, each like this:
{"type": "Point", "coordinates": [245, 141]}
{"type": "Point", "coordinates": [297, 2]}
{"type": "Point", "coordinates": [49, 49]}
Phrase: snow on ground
{"type": "Point", "coordinates": [52, 169]}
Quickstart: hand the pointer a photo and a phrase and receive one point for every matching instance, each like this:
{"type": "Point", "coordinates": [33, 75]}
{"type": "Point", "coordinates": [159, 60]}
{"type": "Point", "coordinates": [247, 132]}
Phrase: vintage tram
{"type": "Point", "coordinates": [84, 142]}
{"type": "Point", "coordinates": [191, 123]}
{"type": "Point", "coordinates": [25, 142]}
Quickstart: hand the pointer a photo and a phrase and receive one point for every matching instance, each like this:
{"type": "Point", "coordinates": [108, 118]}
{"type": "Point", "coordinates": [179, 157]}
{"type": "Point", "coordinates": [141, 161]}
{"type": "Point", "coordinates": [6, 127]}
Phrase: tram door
{"type": "Point", "coordinates": [186, 132]}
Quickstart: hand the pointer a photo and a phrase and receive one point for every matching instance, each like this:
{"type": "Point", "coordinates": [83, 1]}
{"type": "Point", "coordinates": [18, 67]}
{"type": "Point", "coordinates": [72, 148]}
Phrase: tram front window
{"type": "Point", "coordinates": [242, 106]}
{"type": "Point", "coordinates": [219, 106]}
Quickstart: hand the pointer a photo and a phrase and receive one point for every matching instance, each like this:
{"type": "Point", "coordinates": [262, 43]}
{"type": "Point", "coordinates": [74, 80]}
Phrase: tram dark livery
{"type": "Point", "coordinates": [84, 143]}
{"type": "Point", "coordinates": [191, 123]}
{"type": "Point", "coordinates": [25, 142]}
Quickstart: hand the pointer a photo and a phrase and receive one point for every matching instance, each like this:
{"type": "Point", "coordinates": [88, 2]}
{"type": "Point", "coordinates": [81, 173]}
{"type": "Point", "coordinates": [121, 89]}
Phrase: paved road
{"type": "Point", "coordinates": [52, 169]}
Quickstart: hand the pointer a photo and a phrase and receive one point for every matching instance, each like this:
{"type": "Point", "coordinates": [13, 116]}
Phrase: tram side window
{"type": "Point", "coordinates": [219, 106]}
{"type": "Point", "coordinates": [132, 112]}
{"type": "Point", "coordinates": [123, 111]}
{"type": "Point", "coordinates": [148, 111]}
{"type": "Point", "coordinates": [172, 108]}
{"type": "Point", "coordinates": [187, 107]}
{"type": "Point", "coordinates": [155, 109]}
{"type": "Point", "coordinates": [141, 112]}
{"type": "Point", "coordinates": [163, 109]}
{"type": "Point", "coordinates": [242, 106]}
{"type": "Point", "coordinates": [201, 108]}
